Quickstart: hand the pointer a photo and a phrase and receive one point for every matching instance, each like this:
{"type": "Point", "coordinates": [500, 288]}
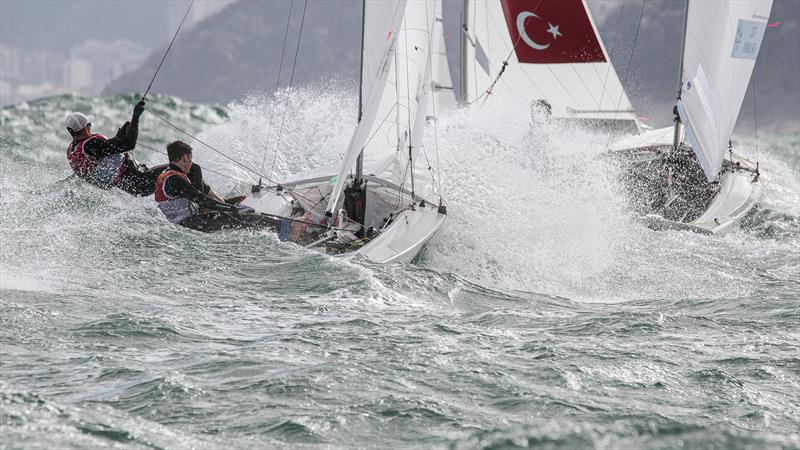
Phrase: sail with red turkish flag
{"type": "Point", "coordinates": [552, 32]}
{"type": "Point", "coordinates": [523, 53]}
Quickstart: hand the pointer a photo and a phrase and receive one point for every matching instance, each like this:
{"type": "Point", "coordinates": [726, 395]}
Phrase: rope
{"type": "Point", "coordinates": [628, 68]}
{"type": "Point", "coordinates": [291, 80]}
{"type": "Point", "coordinates": [608, 69]}
{"type": "Point", "coordinates": [755, 115]}
{"type": "Point", "coordinates": [488, 90]}
{"type": "Point", "coordinates": [275, 189]}
{"type": "Point", "coordinates": [168, 48]}
{"type": "Point", "coordinates": [436, 176]}
{"type": "Point", "coordinates": [408, 98]}
{"type": "Point", "coordinates": [147, 147]}
{"type": "Point", "coordinates": [277, 84]}
{"type": "Point", "coordinates": [209, 146]}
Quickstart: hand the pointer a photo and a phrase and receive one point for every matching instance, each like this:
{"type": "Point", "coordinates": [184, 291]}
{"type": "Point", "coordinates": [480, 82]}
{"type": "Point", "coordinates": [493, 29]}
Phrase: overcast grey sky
{"type": "Point", "coordinates": [56, 24]}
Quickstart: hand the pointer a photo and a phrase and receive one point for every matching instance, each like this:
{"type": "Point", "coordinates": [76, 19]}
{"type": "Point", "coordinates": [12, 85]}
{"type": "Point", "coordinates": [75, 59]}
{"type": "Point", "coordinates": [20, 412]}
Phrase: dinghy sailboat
{"type": "Point", "coordinates": [689, 177]}
{"type": "Point", "coordinates": [385, 201]}
{"type": "Point", "coordinates": [542, 53]}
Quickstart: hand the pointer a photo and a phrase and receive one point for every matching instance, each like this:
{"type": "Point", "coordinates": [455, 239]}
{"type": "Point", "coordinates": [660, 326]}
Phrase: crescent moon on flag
{"type": "Point", "coordinates": [521, 28]}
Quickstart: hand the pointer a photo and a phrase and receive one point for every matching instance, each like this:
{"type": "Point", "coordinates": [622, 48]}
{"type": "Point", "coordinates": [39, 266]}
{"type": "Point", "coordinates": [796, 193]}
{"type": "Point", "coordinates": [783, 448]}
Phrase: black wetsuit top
{"type": "Point", "coordinates": [124, 141]}
{"type": "Point", "coordinates": [138, 179]}
{"type": "Point", "coordinates": [175, 186]}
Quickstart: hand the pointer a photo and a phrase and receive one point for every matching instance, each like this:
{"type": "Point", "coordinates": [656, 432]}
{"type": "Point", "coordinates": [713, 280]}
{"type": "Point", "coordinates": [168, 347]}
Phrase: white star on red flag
{"type": "Point", "coordinates": [554, 30]}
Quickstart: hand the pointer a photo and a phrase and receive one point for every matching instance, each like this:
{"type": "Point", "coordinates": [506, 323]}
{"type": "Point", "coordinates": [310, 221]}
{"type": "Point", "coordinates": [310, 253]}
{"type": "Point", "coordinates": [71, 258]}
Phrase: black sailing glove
{"type": "Point", "coordinates": [138, 109]}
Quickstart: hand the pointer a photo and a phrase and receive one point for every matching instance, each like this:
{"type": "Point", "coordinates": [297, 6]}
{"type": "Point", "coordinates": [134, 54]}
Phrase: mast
{"type": "Point", "coordinates": [360, 159]}
{"type": "Point", "coordinates": [676, 137]}
{"type": "Point", "coordinates": [464, 43]}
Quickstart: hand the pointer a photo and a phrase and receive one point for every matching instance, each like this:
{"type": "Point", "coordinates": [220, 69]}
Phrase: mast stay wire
{"type": "Point", "coordinates": [291, 81]}
{"type": "Point", "coordinates": [755, 116]}
{"type": "Point", "coordinates": [608, 69]}
{"type": "Point", "coordinates": [168, 49]}
{"type": "Point", "coordinates": [209, 146]}
{"type": "Point", "coordinates": [277, 85]}
{"type": "Point", "coordinates": [628, 68]}
{"type": "Point", "coordinates": [154, 150]}
{"type": "Point", "coordinates": [488, 90]}
{"type": "Point", "coordinates": [408, 100]}
{"type": "Point", "coordinates": [437, 182]}
{"type": "Point", "coordinates": [221, 153]}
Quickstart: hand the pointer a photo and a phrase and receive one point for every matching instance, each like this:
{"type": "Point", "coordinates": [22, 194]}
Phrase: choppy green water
{"type": "Point", "coordinates": [542, 315]}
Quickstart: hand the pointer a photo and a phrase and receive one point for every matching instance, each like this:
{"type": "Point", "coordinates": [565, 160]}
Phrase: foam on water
{"type": "Point", "coordinates": [119, 329]}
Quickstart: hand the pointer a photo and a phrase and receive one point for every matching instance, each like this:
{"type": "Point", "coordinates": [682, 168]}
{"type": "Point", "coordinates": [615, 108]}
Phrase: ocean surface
{"type": "Point", "coordinates": [543, 314]}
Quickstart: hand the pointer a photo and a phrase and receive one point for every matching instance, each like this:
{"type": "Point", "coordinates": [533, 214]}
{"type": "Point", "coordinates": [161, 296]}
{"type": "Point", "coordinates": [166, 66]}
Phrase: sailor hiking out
{"type": "Point", "coordinates": [105, 162]}
{"type": "Point", "coordinates": [203, 210]}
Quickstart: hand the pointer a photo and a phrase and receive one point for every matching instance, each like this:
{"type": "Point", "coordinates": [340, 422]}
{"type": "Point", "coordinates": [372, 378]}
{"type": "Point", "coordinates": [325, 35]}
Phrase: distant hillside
{"type": "Point", "coordinates": [238, 51]}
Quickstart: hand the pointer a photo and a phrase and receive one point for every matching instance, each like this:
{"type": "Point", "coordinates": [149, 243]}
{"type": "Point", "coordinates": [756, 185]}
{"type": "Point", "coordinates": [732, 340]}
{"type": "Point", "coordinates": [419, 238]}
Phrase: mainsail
{"type": "Point", "coordinates": [396, 86]}
{"type": "Point", "coordinates": [553, 53]}
{"type": "Point", "coordinates": [721, 43]}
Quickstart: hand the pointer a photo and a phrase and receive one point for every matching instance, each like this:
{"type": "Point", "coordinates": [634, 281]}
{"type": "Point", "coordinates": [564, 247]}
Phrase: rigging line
{"type": "Point", "coordinates": [437, 188]}
{"type": "Point", "coordinates": [168, 48]}
{"type": "Point", "coordinates": [291, 80]}
{"type": "Point", "coordinates": [210, 146]}
{"type": "Point", "coordinates": [277, 84]}
{"type": "Point", "coordinates": [628, 68]}
{"type": "Point", "coordinates": [433, 101]}
{"type": "Point", "coordinates": [401, 190]}
{"type": "Point", "coordinates": [408, 101]}
{"type": "Point", "coordinates": [397, 121]}
{"type": "Point", "coordinates": [505, 61]}
{"type": "Point", "coordinates": [204, 169]}
{"type": "Point", "coordinates": [608, 68]}
{"type": "Point", "coordinates": [755, 115]}
{"type": "Point", "coordinates": [380, 124]}
{"type": "Point", "coordinates": [436, 176]}
{"type": "Point", "coordinates": [228, 157]}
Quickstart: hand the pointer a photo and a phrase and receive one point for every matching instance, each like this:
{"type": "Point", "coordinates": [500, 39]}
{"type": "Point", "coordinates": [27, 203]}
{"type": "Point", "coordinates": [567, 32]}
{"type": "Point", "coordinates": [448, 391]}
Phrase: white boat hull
{"type": "Point", "coordinates": [406, 228]}
{"type": "Point", "coordinates": [740, 190]}
{"type": "Point", "coordinates": [739, 186]}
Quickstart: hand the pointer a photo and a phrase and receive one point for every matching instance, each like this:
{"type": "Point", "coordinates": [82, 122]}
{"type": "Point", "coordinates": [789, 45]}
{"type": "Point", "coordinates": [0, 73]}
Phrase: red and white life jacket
{"type": "Point", "coordinates": [176, 209]}
{"type": "Point", "coordinates": [104, 173]}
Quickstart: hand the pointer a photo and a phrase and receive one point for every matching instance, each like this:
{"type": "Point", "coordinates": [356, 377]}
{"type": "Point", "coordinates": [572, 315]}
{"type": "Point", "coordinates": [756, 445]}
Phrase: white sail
{"type": "Point", "coordinates": [722, 42]}
{"type": "Point", "coordinates": [397, 88]}
{"type": "Point", "coordinates": [553, 51]}
{"type": "Point", "coordinates": [443, 93]}
{"type": "Point", "coordinates": [379, 28]}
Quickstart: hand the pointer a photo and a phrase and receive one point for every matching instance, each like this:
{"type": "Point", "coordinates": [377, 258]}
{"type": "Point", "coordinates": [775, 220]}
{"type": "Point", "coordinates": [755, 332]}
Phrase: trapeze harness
{"type": "Point", "coordinates": [176, 209]}
{"type": "Point", "coordinates": [105, 173]}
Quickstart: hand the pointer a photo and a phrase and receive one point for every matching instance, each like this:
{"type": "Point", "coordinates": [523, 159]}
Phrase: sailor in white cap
{"type": "Point", "coordinates": [105, 162]}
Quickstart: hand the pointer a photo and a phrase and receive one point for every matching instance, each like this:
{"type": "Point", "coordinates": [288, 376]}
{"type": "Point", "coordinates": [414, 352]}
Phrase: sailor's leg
{"type": "Point", "coordinates": [209, 221]}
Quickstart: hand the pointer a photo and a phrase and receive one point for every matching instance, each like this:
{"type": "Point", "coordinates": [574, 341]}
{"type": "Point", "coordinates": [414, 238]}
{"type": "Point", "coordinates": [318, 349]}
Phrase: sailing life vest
{"type": "Point", "coordinates": [104, 173]}
{"type": "Point", "coordinates": [176, 209]}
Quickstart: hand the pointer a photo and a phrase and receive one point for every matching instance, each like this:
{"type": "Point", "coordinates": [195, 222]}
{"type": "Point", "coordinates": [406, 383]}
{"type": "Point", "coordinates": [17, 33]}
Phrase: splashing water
{"type": "Point", "coordinates": [542, 314]}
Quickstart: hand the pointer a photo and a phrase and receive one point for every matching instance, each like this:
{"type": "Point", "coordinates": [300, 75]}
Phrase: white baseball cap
{"type": "Point", "coordinates": [76, 121]}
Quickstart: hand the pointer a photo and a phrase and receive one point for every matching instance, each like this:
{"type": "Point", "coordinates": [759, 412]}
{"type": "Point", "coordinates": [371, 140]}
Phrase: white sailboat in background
{"type": "Point", "coordinates": [542, 52]}
{"type": "Point", "coordinates": [689, 176]}
{"type": "Point", "coordinates": [381, 204]}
